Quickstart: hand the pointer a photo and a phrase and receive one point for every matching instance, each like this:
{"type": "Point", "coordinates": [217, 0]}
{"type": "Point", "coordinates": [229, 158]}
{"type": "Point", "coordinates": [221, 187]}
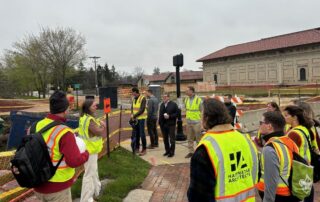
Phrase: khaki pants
{"type": "Point", "coordinates": [193, 133]}
{"type": "Point", "coordinates": [91, 184]}
{"type": "Point", "coordinates": [64, 195]}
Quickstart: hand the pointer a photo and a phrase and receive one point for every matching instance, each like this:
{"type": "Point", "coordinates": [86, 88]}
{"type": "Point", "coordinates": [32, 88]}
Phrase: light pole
{"type": "Point", "coordinates": [178, 62]}
{"type": "Point", "coordinates": [95, 58]}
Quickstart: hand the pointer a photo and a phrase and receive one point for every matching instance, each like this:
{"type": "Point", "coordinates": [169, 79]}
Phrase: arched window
{"type": "Point", "coordinates": [303, 74]}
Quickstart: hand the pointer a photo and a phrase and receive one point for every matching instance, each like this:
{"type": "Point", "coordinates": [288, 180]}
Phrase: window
{"type": "Point", "coordinates": [215, 78]}
{"type": "Point", "coordinates": [303, 74]}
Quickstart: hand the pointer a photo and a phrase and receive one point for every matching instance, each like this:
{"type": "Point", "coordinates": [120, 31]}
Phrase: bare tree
{"type": "Point", "coordinates": [138, 72]}
{"type": "Point", "coordinates": [63, 48]}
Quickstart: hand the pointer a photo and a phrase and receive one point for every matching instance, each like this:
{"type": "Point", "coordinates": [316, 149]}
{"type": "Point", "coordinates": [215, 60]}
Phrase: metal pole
{"type": "Point", "coordinates": [180, 135]}
{"type": "Point", "coordinates": [178, 81]}
{"type": "Point", "coordinates": [95, 72]}
{"type": "Point", "coordinates": [108, 143]}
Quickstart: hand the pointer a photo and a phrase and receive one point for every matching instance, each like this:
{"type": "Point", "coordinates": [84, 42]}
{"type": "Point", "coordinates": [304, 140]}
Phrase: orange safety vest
{"type": "Point", "coordinates": [280, 144]}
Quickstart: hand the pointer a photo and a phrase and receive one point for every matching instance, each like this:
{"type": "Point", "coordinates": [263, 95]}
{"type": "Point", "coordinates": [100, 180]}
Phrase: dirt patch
{"type": "Point", "coordinates": [5, 103]}
{"type": "Point", "coordinates": [9, 105]}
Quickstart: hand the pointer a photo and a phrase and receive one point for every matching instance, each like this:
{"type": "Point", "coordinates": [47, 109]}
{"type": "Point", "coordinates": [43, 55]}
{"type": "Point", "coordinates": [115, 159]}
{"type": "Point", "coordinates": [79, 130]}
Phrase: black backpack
{"type": "Point", "coordinates": [31, 164]}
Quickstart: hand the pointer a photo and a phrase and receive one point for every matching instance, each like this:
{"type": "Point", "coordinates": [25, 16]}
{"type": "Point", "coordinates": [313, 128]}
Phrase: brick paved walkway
{"type": "Point", "coordinates": [170, 183]}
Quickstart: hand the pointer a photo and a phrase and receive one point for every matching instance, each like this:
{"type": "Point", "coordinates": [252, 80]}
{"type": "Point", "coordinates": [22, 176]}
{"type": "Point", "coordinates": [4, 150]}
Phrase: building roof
{"type": "Point", "coordinates": [305, 37]}
{"type": "Point", "coordinates": [159, 77]}
{"type": "Point", "coordinates": [184, 75]}
{"type": "Point", "coordinates": [191, 75]}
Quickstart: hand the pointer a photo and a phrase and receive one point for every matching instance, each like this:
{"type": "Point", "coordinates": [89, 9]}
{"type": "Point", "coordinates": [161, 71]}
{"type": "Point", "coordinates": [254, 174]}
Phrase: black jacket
{"type": "Point", "coordinates": [172, 110]}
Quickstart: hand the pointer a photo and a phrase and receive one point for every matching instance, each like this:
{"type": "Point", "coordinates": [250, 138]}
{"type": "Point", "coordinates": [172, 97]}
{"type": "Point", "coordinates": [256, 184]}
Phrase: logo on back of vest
{"type": "Point", "coordinates": [237, 161]}
{"type": "Point", "coordinates": [239, 167]}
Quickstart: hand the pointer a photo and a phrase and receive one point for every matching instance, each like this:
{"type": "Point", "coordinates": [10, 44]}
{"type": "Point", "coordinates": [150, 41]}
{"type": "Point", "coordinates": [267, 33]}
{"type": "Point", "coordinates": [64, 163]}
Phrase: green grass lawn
{"type": "Point", "coordinates": [126, 170]}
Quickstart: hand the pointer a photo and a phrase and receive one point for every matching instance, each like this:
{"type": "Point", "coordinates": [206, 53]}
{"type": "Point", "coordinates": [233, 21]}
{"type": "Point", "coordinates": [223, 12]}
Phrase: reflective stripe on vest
{"type": "Point", "coordinates": [52, 138]}
{"type": "Point", "coordinates": [314, 143]}
{"type": "Point", "coordinates": [235, 165]}
{"type": "Point", "coordinates": [193, 111]}
{"type": "Point", "coordinates": [136, 107]}
{"type": "Point", "coordinates": [94, 144]}
{"type": "Point", "coordinates": [285, 160]}
{"type": "Point", "coordinates": [304, 147]}
{"type": "Point", "coordinates": [58, 130]}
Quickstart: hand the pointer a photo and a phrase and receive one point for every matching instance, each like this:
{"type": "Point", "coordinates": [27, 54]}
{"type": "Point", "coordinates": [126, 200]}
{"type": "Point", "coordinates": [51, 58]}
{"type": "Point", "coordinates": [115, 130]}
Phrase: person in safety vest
{"type": "Point", "coordinates": [271, 107]}
{"type": "Point", "coordinates": [91, 131]}
{"type": "Point", "coordinates": [61, 142]}
{"type": "Point", "coordinates": [193, 105]}
{"type": "Point", "coordinates": [299, 133]}
{"type": "Point", "coordinates": [139, 112]}
{"type": "Point", "coordinates": [276, 159]}
{"type": "Point", "coordinates": [315, 123]}
{"type": "Point", "coordinates": [222, 170]}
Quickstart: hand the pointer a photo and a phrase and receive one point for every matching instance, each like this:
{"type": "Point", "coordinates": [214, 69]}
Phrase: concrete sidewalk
{"type": "Point", "coordinates": [155, 156]}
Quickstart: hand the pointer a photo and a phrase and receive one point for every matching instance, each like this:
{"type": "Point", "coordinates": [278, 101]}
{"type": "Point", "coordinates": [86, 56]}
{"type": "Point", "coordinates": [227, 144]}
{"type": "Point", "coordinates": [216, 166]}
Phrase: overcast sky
{"type": "Point", "coordinates": [147, 33]}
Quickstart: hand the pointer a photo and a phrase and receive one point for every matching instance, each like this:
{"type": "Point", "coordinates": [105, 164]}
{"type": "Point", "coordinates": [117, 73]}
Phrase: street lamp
{"type": "Point", "coordinates": [95, 58]}
{"type": "Point", "coordinates": [178, 62]}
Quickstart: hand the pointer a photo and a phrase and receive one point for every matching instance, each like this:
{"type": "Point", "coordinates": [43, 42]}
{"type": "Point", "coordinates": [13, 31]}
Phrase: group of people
{"type": "Point", "coordinates": [145, 107]}
{"type": "Point", "coordinates": [226, 164]}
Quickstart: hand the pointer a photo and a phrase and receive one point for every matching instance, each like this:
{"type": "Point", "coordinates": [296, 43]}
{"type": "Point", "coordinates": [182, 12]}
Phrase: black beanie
{"type": "Point", "coordinates": [58, 102]}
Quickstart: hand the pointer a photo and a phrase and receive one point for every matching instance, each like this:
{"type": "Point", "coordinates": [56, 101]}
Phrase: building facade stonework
{"type": "Point", "coordinates": [292, 65]}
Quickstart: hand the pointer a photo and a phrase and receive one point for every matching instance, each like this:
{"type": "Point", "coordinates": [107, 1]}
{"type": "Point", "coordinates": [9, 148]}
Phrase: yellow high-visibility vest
{"type": "Point", "coordinates": [285, 159]}
{"type": "Point", "coordinates": [314, 143]}
{"type": "Point", "coordinates": [235, 165]}
{"type": "Point", "coordinates": [93, 144]}
{"type": "Point", "coordinates": [136, 107]}
{"type": "Point", "coordinates": [52, 138]}
{"type": "Point", "coordinates": [193, 111]}
{"type": "Point", "coordinates": [304, 150]}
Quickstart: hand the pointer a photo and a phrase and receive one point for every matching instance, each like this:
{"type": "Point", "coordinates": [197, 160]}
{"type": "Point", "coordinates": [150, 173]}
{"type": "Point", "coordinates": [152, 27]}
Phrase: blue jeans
{"type": "Point", "coordinates": [140, 134]}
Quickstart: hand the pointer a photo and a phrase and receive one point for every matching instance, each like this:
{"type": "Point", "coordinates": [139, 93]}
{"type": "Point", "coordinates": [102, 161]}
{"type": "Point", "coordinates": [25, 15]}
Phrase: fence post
{"type": "Point", "coordinates": [120, 124]}
{"type": "Point", "coordinates": [108, 142]}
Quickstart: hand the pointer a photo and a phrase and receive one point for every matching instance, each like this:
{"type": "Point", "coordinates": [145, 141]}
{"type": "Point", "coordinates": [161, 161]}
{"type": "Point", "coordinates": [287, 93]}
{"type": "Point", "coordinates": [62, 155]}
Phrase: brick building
{"type": "Point", "coordinates": [287, 59]}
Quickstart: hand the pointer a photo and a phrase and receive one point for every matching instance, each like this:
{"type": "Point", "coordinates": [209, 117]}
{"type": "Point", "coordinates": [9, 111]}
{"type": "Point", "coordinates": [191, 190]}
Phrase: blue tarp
{"type": "Point", "coordinates": [21, 121]}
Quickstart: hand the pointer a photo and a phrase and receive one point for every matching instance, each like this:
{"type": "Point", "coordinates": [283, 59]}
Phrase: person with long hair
{"type": "Point", "coordinates": [299, 132]}
{"type": "Point", "coordinates": [220, 168]}
{"type": "Point", "coordinates": [313, 131]}
{"type": "Point", "coordinates": [314, 137]}
{"type": "Point", "coordinates": [91, 131]}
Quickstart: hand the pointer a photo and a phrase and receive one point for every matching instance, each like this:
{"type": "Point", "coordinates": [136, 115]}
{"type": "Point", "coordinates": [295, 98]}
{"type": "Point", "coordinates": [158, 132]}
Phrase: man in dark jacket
{"type": "Point", "coordinates": [167, 121]}
{"type": "Point", "coordinates": [152, 106]}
